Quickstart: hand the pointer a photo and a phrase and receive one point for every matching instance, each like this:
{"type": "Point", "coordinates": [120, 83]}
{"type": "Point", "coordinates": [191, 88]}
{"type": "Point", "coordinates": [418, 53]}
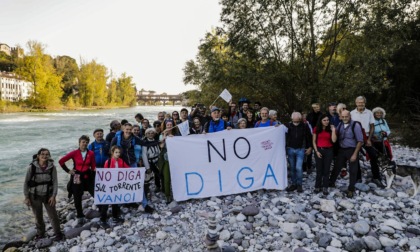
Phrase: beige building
{"type": "Point", "coordinates": [6, 49]}
{"type": "Point", "coordinates": [14, 88]}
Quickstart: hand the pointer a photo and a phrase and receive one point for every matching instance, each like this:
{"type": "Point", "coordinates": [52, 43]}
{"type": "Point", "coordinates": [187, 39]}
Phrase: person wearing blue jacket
{"type": "Point", "coordinates": [100, 147]}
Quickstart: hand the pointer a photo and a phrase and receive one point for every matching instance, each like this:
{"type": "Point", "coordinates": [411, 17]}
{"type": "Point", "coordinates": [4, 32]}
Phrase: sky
{"type": "Point", "coordinates": [150, 40]}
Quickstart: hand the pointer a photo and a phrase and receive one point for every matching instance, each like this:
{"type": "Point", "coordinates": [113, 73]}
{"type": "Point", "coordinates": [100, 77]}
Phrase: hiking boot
{"type": "Point", "coordinates": [317, 190]}
{"type": "Point", "coordinates": [325, 191]}
{"type": "Point", "coordinates": [149, 209]}
{"type": "Point", "coordinates": [299, 189]}
{"type": "Point", "coordinates": [104, 224]}
{"type": "Point", "coordinates": [39, 237]}
{"type": "Point", "coordinates": [81, 221]}
{"type": "Point", "coordinates": [378, 183]}
{"type": "Point", "coordinates": [350, 194]}
{"type": "Point", "coordinates": [58, 237]}
{"type": "Point", "coordinates": [117, 220]}
{"type": "Point", "coordinates": [291, 188]}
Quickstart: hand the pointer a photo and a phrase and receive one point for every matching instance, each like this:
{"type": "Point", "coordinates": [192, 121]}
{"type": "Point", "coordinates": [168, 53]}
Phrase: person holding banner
{"type": "Point", "coordinates": [151, 153]}
{"type": "Point", "coordinates": [215, 124]}
{"type": "Point", "coordinates": [114, 162]}
{"type": "Point", "coordinates": [82, 175]}
{"type": "Point", "coordinates": [168, 131]}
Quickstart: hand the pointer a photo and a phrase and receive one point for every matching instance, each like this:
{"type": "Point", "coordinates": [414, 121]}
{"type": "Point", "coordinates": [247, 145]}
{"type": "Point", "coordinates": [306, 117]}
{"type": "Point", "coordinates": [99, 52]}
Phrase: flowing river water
{"type": "Point", "coordinates": [23, 134]}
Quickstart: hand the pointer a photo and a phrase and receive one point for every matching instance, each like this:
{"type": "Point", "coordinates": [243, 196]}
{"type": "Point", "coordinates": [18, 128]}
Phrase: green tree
{"type": "Point", "coordinates": [126, 90]}
{"type": "Point", "coordinates": [69, 70]}
{"type": "Point", "coordinates": [92, 84]}
{"type": "Point", "coordinates": [37, 67]}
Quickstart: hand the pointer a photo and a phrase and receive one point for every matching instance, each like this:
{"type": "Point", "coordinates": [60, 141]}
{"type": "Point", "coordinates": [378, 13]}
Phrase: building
{"type": "Point", "coordinates": [14, 88]}
{"type": "Point", "coordinates": [6, 49]}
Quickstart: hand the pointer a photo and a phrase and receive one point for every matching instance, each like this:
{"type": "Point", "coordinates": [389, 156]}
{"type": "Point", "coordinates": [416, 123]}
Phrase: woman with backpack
{"type": "Point", "coordinates": [323, 140]}
{"type": "Point", "coordinates": [381, 132]}
{"type": "Point", "coordinates": [40, 188]}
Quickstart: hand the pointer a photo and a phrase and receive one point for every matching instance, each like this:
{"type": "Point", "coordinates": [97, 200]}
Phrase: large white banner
{"type": "Point", "coordinates": [227, 162]}
{"type": "Point", "coordinates": [119, 185]}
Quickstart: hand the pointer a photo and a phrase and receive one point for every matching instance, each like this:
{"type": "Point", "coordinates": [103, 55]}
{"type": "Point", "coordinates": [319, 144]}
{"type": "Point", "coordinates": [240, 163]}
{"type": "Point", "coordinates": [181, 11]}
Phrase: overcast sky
{"type": "Point", "coordinates": [148, 39]}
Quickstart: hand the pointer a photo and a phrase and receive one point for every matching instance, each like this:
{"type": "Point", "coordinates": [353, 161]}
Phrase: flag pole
{"type": "Point", "coordinates": [214, 101]}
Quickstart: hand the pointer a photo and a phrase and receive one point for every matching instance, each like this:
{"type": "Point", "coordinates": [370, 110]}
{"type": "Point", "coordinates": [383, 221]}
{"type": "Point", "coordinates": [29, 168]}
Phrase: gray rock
{"type": "Point", "coordinates": [299, 235]}
{"type": "Point", "coordinates": [361, 227]}
{"type": "Point", "coordinates": [91, 214]}
{"type": "Point", "coordinates": [250, 210]}
{"type": "Point", "coordinates": [387, 229]}
{"type": "Point", "coordinates": [161, 235]}
{"type": "Point", "coordinates": [228, 249]}
{"type": "Point", "coordinates": [355, 246]}
{"type": "Point", "coordinates": [310, 223]}
{"type": "Point", "coordinates": [362, 187]}
{"type": "Point", "coordinates": [394, 224]}
{"type": "Point", "coordinates": [176, 209]}
{"type": "Point", "coordinates": [85, 234]}
{"type": "Point", "coordinates": [74, 232]}
{"type": "Point", "coordinates": [324, 240]}
{"type": "Point", "coordinates": [293, 218]}
{"type": "Point", "coordinates": [43, 243]}
{"type": "Point", "coordinates": [176, 248]}
{"type": "Point", "coordinates": [346, 204]}
{"type": "Point", "coordinates": [328, 205]}
{"type": "Point", "coordinates": [240, 217]}
{"type": "Point", "coordinates": [273, 221]}
{"type": "Point", "coordinates": [300, 250]}
{"type": "Point", "coordinates": [414, 242]}
{"type": "Point", "coordinates": [224, 235]}
{"type": "Point", "coordinates": [99, 244]}
{"type": "Point", "coordinates": [237, 235]}
{"type": "Point", "coordinates": [288, 227]}
{"type": "Point", "coordinates": [372, 243]}
{"type": "Point", "coordinates": [414, 230]}
{"type": "Point", "coordinates": [109, 242]}
{"type": "Point", "coordinates": [245, 244]}
{"type": "Point", "coordinates": [386, 242]}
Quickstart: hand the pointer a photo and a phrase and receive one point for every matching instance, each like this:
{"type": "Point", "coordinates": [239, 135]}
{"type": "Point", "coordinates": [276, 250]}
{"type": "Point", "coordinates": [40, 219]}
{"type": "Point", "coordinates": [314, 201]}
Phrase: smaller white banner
{"type": "Point", "coordinates": [119, 185]}
{"type": "Point", "coordinates": [184, 128]}
{"type": "Point", "coordinates": [226, 95]}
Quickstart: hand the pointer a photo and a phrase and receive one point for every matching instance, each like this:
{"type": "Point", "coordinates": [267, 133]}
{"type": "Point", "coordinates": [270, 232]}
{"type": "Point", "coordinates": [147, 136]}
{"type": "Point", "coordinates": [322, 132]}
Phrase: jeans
{"type": "Point", "coordinates": [295, 158]}
{"type": "Point", "coordinates": [144, 202]}
{"type": "Point", "coordinates": [323, 166]}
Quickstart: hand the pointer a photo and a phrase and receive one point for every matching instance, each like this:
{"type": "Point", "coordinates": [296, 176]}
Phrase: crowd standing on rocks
{"type": "Point", "coordinates": [347, 216]}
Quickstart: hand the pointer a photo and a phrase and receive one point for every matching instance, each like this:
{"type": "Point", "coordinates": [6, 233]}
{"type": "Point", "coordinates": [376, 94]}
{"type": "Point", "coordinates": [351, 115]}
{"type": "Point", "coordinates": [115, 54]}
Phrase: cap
{"type": "Point", "coordinates": [96, 130]}
{"type": "Point", "coordinates": [214, 109]}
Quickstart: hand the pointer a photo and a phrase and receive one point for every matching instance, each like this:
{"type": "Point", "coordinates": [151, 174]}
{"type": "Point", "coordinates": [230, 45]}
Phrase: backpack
{"type": "Point", "coordinates": [32, 183]}
{"type": "Point", "coordinates": [352, 130]}
{"type": "Point", "coordinates": [257, 124]}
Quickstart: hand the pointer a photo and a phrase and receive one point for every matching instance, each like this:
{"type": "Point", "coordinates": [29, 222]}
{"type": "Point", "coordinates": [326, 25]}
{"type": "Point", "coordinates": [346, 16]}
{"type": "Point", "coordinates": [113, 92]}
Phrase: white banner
{"type": "Point", "coordinates": [227, 162]}
{"type": "Point", "coordinates": [226, 95]}
{"type": "Point", "coordinates": [184, 128]}
{"type": "Point", "coordinates": [119, 185]}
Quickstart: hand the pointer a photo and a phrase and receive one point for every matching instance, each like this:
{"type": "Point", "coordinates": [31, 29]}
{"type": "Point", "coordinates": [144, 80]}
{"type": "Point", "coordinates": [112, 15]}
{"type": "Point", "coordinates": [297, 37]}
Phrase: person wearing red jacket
{"type": "Point", "coordinates": [82, 175]}
{"type": "Point", "coordinates": [114, 162]}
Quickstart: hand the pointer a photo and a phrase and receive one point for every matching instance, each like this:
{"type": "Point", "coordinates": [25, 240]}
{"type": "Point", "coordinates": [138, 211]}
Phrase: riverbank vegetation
{"type": "Point", "coordinates": [61, 83]}
{"type": "Point", "coordinates": [289, 54]}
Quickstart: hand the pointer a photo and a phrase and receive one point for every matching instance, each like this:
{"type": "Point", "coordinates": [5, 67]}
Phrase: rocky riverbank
{"type": "Point", "coordinates": [265, 220]}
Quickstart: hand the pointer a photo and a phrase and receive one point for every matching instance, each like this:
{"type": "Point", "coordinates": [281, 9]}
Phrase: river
{"type": "Point", "coordinates": [23, 134]}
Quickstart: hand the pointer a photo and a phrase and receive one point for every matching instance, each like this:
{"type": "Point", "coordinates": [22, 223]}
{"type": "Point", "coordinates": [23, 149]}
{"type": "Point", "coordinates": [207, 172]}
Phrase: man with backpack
{"type": "Point", "coordinates": [366, 119]}
{"type": "Point", "coordinates": [265, 121]}
{"type": "Point", "coordinates": [350, 137]}
{"type": "Point", "coordinates": [100, 147]}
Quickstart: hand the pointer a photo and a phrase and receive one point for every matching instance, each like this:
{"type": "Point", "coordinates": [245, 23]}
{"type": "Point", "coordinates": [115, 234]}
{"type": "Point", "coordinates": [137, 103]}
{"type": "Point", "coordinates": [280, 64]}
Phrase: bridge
{"type": "Point", "coordinates": [152, 99]}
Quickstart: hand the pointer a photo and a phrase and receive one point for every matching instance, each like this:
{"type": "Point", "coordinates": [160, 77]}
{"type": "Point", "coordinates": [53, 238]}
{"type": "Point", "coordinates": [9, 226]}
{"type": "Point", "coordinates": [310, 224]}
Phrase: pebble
{"type": "Point", "coordinates": [372, 243]}
{"type": "Point", "coordinates": [386, 242]}
{"type": "Point", "coordinates": [362, 187]}
{"type": "Point", "coordinates": [328, 205]}
{"type": "Point", "coordinates": [224, 235]}
{"type": "Point", "coordinates": [250, 210]}
{"type": "Point", "coordinates": [240, 217]}
{"type": "Point", "coordinates": [346, 204]}
{"type": "Point", "coordinates": [161, 235]}
{"type": "Point", "coordinates": [394, 224]}
{"type": "Point", "coordinates": [361, 227]}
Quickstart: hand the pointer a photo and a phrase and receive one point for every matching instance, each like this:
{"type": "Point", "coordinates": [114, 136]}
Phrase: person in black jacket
{"type": "Point", "coordinates": [298, 143]}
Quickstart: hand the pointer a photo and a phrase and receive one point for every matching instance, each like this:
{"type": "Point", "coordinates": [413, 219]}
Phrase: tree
{"type": "Point", "coordinates": [92, 84]}
{"type": "Point", "coordinates": [37, 68]}
{"type": "Point", "coordinates": [126, 90]}
{"type": "Point", "coordinates": [69, 70]}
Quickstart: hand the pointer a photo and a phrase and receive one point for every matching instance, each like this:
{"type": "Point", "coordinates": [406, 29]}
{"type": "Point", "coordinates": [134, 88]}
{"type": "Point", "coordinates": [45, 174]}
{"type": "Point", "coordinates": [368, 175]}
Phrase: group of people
{"type": "Point", "coordinates": [334, 137]}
